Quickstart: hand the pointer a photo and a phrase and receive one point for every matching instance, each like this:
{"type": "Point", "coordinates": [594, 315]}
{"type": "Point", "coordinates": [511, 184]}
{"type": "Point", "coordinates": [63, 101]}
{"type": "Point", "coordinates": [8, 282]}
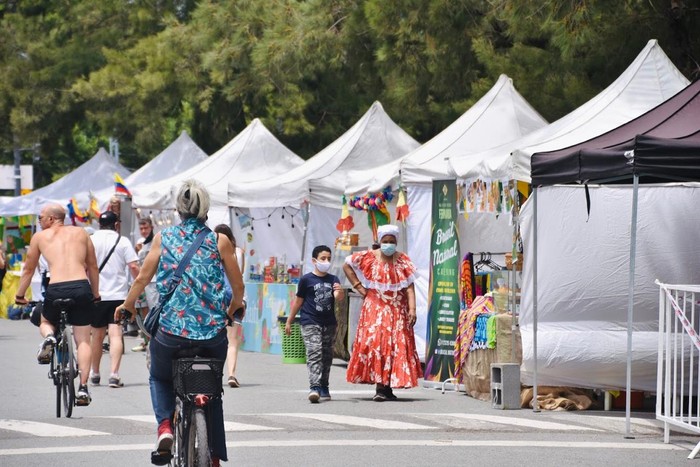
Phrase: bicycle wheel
{"type": "Point", "coordinates": [69, 372]}
{"type": "Point", "coordinates": [57, 376]}
{"type": "Point", "coordinates": [198, 441]}
{"type": "Point", "coordinates": [178, 436]}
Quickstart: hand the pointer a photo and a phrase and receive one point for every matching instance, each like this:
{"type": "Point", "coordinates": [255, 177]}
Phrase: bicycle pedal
{"type": "Point", "coordinates": [161, 457]}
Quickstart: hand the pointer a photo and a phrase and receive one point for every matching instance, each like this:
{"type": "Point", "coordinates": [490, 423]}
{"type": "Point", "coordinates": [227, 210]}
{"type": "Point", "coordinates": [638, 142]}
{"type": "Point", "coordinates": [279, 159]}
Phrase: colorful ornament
{"type": "Point", "coordinates": [401, 208]}
{"type": "Point", "coordinates": [346, 223]}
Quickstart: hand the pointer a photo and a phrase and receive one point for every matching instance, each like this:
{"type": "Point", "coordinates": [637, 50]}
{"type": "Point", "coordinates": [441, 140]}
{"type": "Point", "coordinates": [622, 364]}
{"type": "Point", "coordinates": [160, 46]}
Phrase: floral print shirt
{"type": "Point", "coordinates": [196, 309]}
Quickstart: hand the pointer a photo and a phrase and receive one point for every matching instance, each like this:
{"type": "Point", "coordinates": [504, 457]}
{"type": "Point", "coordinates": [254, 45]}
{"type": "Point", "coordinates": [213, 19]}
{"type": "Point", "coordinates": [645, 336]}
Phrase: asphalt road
{"type": "Point", "coordinates": [270, 422]}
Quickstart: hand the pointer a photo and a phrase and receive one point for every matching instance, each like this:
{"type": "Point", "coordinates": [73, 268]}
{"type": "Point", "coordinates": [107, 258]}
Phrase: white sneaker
{"type": "Point", "coordinates": [82, 398]}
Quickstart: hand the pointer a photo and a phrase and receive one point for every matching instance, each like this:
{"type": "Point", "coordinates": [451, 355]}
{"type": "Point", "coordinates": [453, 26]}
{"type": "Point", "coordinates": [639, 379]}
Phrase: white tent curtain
{"type": "Point", "coordinates": [582, 280]}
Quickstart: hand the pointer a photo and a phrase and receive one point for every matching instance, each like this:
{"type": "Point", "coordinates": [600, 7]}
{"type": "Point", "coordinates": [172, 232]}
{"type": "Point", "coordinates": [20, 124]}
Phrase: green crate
{"type": "Point", "coordinates": [293, 348]}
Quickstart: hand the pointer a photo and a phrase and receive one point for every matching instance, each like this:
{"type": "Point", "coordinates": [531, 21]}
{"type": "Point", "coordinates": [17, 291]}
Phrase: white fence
{"type": "Point", "coordinates": [678, 372]}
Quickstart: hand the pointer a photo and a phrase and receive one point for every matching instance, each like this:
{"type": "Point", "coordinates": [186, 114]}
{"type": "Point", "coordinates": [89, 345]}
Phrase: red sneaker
{"type": "Point", "coordinates": [215, 462]}
{"type": "Point", "coordinates": [165, 436]}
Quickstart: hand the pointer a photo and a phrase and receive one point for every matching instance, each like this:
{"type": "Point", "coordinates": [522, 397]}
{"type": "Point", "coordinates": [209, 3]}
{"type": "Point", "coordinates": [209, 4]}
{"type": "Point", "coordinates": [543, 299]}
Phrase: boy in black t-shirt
{"type": "Point", "coordinates": [316, 296]}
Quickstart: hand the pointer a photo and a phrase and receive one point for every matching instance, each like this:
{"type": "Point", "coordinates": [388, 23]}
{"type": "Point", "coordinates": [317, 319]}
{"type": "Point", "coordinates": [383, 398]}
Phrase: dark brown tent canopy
{"type": "Point", "coordinates": [661, 144]}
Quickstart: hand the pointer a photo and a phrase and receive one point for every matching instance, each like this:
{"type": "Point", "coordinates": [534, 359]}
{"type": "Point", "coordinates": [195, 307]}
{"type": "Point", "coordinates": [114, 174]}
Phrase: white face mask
{"type": "Point", "coordinates": [323, 266]}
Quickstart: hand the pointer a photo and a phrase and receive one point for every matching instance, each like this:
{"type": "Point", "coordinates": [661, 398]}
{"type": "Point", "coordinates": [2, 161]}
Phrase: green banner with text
{"type": "Point", "coordinates": [443, 291]}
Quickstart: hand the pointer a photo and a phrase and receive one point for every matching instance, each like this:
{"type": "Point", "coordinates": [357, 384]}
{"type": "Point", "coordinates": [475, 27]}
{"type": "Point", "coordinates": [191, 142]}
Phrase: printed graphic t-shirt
{"type": "Point", "coordinates": [319, 303]}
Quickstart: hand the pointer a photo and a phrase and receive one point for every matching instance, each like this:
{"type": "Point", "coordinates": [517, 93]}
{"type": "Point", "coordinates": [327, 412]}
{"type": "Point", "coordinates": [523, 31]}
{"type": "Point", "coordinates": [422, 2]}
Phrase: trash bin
{"type": "Point", "coordinates": [293, 348]}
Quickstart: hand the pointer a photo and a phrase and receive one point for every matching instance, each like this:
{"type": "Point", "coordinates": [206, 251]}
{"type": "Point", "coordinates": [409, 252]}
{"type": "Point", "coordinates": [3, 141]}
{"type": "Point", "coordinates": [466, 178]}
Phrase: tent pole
{"type": "Point", "coordinates": [302, 266]}
{"type": "Point", "coordinates": [230, 216]}
{"type": "Point", "coordinates": [535, 403]}
{"type": "Point", "coordinates": [630, 304]}
{"type": "Point", "coordinates": [515, 218]}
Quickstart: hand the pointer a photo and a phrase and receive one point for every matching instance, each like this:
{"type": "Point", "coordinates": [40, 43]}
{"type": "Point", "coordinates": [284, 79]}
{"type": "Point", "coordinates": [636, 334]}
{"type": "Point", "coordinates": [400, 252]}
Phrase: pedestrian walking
{"type": "Point", "coordinates": [384, 351]}
{"type": "Point", "coordinates": [316, 295]}
{"type": "Point", "coordinates": [116, 258]}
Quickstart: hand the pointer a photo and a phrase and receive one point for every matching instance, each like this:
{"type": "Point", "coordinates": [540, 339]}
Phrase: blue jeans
{"type": "Point", "coordinates": [163, 347]}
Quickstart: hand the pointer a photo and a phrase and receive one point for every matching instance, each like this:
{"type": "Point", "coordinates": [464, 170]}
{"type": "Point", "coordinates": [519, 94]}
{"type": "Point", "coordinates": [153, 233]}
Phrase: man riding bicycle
{"type": "Point", "coordinates": [195, 315]}
{"type": "Point", "coordinates": [71, 259]}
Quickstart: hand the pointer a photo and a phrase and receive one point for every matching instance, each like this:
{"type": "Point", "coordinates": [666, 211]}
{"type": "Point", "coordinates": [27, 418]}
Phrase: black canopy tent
{"type": "Point", "coordinates": [660, 145]}
{"type": "Point", "coordinates": [664, 140]}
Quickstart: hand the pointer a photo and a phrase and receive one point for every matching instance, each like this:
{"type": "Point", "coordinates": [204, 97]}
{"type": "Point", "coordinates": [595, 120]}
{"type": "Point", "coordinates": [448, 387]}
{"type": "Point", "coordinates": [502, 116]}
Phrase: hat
{"type": "Point", "coordinates": [108, 218]}
{"type": "Point", "coordinates": [387, 229]}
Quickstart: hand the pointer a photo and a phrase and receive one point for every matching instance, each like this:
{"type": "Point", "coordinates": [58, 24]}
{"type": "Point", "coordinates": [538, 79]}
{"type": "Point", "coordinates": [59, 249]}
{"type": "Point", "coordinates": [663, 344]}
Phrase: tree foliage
{"type": "Point", "coordinates": [74, 73]}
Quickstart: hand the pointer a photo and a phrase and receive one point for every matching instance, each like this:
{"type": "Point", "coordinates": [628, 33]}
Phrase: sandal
{"type": "Point", "coordinates": [233, 382]}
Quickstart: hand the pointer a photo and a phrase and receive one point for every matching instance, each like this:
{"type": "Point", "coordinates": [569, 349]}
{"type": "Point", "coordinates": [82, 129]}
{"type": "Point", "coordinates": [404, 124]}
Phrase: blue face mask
{"type": "Point", "coordinates": [388, 248]}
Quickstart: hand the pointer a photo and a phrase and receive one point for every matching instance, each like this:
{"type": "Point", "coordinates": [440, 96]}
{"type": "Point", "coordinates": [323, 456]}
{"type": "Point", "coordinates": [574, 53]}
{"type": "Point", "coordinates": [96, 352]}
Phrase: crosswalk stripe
{"type": "Point", "coordinates": [649, 423]}
{"type": "Point", "coordinates": [228, 426]}
{"type": "Point", "coordinates": [46, 429]}
{"type": "Point", "coordinates": [377, 423]}
{"type": "Point", "coordinates": [519, 422]}
{"type": "Point", "coordinates": [462, 443]}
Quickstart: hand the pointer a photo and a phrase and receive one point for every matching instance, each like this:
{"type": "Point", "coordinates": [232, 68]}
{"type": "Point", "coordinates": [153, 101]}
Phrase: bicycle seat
{"type": "Point", "coordinates": [64, 303]}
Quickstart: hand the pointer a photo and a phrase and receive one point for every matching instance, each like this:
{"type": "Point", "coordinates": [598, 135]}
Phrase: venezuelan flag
{"type": "Point", "coordinates": [119, 186]}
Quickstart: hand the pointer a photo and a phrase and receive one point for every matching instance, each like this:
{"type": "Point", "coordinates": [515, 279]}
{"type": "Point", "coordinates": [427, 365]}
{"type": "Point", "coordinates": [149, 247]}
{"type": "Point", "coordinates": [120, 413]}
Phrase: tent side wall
{"type": "Point", "coordinates": [583, 280]}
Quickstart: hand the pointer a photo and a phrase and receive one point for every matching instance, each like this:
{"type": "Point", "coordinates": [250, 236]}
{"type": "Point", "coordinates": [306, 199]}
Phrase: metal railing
{"type": "Point", "coordinates": [678, 370]}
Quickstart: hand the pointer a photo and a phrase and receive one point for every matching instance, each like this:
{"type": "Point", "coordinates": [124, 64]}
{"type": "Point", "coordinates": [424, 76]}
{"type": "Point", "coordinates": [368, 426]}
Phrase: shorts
{"type": "Point", "coordinates": [104, 313]}
{"type": "Point", "coordinates": [80, 291]}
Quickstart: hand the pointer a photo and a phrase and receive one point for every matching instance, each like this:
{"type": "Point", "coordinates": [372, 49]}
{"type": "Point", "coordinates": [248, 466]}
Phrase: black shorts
{"type": "Point", "coordinates": [80, 292]}
{"type": "Point", "coordinates": [104, 313]}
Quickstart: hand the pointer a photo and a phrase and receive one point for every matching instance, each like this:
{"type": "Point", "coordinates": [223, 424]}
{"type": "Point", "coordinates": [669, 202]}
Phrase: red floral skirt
{"type": "Point", "coordinates": [384, 350]}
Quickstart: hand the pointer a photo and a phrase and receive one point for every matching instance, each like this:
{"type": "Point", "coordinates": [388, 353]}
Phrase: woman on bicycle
{"type": "Point", "coordinates": [195, 315]}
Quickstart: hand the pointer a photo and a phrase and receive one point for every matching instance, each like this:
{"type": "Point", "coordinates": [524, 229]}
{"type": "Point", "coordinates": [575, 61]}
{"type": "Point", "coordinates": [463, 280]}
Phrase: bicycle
{"type": "Point", "coordinates": [197, 382]}
{"type": "Point", "coordinates": [64, 369]}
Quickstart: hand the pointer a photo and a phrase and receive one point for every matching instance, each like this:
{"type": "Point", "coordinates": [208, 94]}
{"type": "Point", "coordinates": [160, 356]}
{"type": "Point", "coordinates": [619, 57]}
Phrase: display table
{"type": "Point", "coordinates": [265, 303]}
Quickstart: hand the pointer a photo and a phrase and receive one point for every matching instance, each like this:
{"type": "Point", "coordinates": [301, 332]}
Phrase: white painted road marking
{"type": "Point", "coordinates": [46, 429]}
{"type": "Point", "coordinates": [228, 426]}
{"type": "Point", "coordinates": [369, 442]}
{"type": "Point", "coordinates": [520, 422]}
{"type": "Point", "coordinates": [358, 421]}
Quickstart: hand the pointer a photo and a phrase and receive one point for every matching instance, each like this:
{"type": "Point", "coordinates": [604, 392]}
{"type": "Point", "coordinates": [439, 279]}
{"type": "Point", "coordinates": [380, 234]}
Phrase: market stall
{"type": "Point", "coordinates": [649, 80]}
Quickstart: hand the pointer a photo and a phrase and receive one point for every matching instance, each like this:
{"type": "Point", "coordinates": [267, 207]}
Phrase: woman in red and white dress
{"type": "Point", "coordinates": [384, 351]}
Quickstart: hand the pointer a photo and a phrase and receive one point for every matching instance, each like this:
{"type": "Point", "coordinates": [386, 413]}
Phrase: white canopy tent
{"type": "Point", "coordinates": [502, 114]}
{"type": "Point", "coordinates": [95, 174]}
{"type": "Point", "coordinates": [374, 140]}
{"type": "Point", "coordinates": [650, 79]}
{"type": "Point", "coordinates": [180, 155]}
{"type": "Point", "coordinates": [253, 155]}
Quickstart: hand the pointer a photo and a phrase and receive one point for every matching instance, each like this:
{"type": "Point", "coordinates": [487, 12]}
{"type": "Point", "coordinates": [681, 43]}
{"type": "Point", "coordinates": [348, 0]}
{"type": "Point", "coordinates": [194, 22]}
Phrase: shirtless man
{"type": "Point", "coordinates": [71, 258]}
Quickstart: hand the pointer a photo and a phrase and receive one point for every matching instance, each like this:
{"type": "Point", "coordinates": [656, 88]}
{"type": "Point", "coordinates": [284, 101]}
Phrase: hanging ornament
{"type": "Point", "coordinates": [346, 223]}
{"type": "Point", "coordinates": [402, 211]}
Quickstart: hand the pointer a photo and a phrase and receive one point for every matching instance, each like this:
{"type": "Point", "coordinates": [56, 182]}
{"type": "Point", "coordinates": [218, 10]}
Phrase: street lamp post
{"type": "Point", "coordinates": [17, 153]}
{"type": "Point", "coordinates": [18, 173]}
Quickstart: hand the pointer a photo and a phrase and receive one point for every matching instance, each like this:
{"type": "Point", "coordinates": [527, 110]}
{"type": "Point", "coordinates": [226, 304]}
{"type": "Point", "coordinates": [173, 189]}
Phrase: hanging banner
{"type": "Point", "coordinates": [443, 292]}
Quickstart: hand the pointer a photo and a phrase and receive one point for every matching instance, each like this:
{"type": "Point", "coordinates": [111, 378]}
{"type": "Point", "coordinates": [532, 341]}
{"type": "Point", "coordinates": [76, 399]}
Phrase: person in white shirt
{"type": "Point", "coordinates": [115, 254]}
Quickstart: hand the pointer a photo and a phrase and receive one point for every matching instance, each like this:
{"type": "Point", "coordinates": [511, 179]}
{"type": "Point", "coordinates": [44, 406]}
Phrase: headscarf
{"type": "Point", "coordinates": [387, 229]}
